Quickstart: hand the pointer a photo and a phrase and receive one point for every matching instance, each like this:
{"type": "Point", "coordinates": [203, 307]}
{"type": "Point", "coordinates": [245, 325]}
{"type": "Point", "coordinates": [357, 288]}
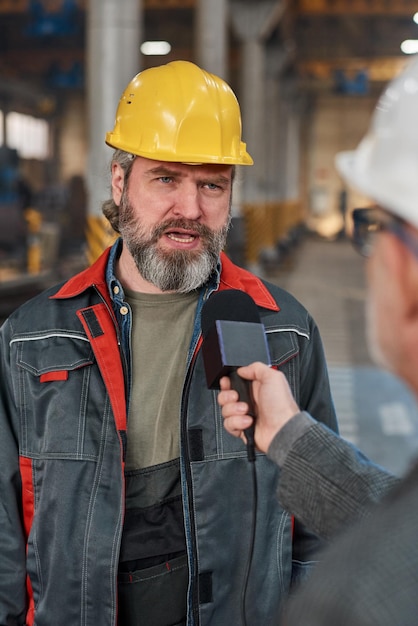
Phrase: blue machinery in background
{"type": "Point", "coordinates": [46, 24]}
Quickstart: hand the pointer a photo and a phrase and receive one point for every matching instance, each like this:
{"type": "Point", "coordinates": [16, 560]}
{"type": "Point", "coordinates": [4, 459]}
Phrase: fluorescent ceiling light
{"type": "Point", "coordinates": [158, 48]}
{"type": "Point", "coordinates": [409, 46]}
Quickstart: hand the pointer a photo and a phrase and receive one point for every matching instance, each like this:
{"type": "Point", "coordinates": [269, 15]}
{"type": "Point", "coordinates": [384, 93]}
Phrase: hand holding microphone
{"type": "Point", "coordinates": [273, 401]}
{"type": "Point", "coordinates": [233, 336]}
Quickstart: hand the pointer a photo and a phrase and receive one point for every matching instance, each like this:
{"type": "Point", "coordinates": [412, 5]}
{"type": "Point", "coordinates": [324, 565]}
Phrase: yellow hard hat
{"type": "Point", "coordinates": [178, 112]}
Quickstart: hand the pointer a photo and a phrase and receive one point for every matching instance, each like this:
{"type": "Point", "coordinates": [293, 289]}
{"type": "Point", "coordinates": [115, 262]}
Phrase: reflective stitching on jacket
{"type": "Point", "coordinates": [48, 336]}
{"type": "Point", "coordinates": [288, 330]}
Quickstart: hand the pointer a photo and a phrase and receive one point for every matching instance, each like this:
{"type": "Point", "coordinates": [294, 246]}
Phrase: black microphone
{"type": "Point", "coordinates": [233, 336]}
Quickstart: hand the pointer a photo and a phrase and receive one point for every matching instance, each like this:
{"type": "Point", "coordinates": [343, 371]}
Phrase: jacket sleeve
{"type": "Point", "coordinates": [12, 536]}
{"type": "Point", "coordinates": [335, 482]}
{"type": "Point", "coordinates": [368, 574]}
{"type": "Point", "coordinates": [325, 481]}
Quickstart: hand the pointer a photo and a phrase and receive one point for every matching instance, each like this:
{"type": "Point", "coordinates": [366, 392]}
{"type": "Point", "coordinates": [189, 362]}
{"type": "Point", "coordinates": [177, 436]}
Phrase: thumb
{"type": "Point", "coordinates": [255, 371]}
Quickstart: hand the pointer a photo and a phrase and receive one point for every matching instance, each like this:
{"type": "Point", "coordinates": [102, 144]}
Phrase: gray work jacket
{"type": "Point", "coordinates": [62, 441]}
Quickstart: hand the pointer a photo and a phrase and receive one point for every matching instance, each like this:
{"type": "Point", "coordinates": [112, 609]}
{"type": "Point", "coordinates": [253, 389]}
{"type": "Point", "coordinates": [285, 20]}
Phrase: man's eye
{"type": "Point", "coordinates": [212, 186]}
{"type": "Point", "coordinates": [165, 179]}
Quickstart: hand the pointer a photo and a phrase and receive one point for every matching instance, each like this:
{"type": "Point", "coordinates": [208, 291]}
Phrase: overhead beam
{"type": "Point", "coordinates": [169, 4]}
{"type": "Point", "coordinates": [356, 7]}
{"type": "Point", "coordinates": [13, 6]}
{"type": "Point", "coordinates": [53, 6]}
{"type": "Point", "coordinates": [303, 7]}
{"type": "Point", "coordinates": [378, 70]}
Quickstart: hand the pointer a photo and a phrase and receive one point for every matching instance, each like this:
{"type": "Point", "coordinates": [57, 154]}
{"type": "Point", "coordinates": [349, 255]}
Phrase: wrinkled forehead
{"type": "Point", "coordinates": [197, 170]}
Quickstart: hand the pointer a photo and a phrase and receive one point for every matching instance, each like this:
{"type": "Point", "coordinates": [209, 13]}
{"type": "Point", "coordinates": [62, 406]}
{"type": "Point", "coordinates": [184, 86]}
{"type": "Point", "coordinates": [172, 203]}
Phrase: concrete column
{"type": "Point", "coordinates": [277, 59]}
{"type": "Point", "coordinates": [113, 58]}
{"type": "Point", "coordinates": [289, 134]}
{"type": "Point", "coordinates": [293, 153]}
{"type": "Point", "coordinates": [282, 138]}
{"type": "Point", "coordinates": [253, 22]}
{"type": "Point", "coordinates": [253, 111]}
{"type": "Point", "coordinates": [211, 36]}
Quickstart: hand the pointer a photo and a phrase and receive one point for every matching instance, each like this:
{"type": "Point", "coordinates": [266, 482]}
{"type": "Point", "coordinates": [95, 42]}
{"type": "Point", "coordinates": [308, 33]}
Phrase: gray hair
{"type": "Point", "coordinates": [110, 208]}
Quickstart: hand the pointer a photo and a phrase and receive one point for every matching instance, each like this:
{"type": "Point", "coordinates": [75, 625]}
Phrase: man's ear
{"type": "Point", "coordinates": [118, 181]}
{"type": "Point", "coordinates": [404, 264]}
{"type": "Point", "coordinates": [402, 295]}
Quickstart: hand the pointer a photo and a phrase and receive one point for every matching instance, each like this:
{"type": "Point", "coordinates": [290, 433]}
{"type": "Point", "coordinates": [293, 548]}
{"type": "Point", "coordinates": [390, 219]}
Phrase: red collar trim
{"type": "Point", "coordinates": [232, 277]}
{"type": "Point", "coordinates": [93, 275]}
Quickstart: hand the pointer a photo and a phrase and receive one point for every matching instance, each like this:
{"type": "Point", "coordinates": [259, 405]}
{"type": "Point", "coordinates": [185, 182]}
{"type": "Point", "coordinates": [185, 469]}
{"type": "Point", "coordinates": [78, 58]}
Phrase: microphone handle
{"type": "Point", "coordinates": [244, 389]}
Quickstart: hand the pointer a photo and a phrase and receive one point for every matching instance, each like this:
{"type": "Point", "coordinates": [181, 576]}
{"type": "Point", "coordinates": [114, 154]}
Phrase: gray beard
{"type": "Point", "coordinates": [181, 271]}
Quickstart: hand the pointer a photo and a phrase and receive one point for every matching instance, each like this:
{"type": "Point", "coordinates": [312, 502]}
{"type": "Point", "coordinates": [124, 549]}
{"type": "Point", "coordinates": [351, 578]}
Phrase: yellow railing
{"type": "Point", "coordinates": [99, 236]}
{"type": "Point", "coordinates": [268, 223]}
{"type": "Point", "coordinates": [34, 256]}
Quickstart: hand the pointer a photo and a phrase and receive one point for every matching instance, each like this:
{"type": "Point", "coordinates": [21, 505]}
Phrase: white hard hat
{"type": "Point", "coordinates": [385, 164]}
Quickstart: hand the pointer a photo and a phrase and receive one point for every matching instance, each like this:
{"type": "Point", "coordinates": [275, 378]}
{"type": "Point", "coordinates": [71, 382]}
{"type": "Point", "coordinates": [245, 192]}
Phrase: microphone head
{"type": "Point", "coordinates": [233, 334]}
{"type": "Point", "coordinates": [231, 304]}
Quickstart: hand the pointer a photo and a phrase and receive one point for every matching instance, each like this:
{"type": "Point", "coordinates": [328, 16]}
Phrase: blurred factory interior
{"type": "Point", "coordinates": [307, 74]}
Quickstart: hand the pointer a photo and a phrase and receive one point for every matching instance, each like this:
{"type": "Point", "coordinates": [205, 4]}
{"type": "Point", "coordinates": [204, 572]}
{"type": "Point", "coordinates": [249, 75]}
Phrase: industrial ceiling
{"type": "Point", "coordinates": [331, 44]}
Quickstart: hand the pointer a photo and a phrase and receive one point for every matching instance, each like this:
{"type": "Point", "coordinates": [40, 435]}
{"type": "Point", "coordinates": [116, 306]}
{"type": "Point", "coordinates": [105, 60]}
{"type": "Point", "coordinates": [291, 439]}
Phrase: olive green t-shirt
{"type": "Point", "coordinates": [162, 327]}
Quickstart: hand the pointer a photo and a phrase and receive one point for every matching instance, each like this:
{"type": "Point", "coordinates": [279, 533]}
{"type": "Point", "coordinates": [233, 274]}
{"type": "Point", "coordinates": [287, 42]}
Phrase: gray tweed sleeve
{"type": "Point", "coordinates": [325, 481]}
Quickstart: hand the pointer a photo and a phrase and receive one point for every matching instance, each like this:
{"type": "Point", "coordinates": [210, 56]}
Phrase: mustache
{"type": "Point", "coordinates": [203, 231]}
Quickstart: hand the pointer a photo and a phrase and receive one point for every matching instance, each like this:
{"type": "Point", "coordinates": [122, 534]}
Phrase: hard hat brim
{"type": "Point", "coordinates": [244, 158]}
{"type": "Point", "coordinates": [351, 170]}
{"type": "Point", "coordinates": [398, 199]}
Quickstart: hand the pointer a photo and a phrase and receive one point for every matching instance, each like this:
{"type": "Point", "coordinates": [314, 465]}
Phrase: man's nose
{"type": "Point", "coordinates": [188, 203]}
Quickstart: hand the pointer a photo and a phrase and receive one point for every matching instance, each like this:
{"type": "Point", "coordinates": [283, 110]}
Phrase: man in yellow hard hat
{"type": "Point", "coordinates": [368, 576]}
{"type": "Point", "coordinates": [123, 500]}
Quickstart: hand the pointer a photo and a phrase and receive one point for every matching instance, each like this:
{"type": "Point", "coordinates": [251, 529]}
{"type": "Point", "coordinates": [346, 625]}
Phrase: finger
{"type": "Point", "coordinates": [225, 383]}
{"type": "Point", "coordinates": [228, 396]}
{"type": "Point", "coordinates": [235, 425]}
{"type": "Point", "coordinates": [239, 409]}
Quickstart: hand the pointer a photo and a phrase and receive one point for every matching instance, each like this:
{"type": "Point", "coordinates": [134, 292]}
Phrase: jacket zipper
{"type": "Point", "coordinates": [189, 515]}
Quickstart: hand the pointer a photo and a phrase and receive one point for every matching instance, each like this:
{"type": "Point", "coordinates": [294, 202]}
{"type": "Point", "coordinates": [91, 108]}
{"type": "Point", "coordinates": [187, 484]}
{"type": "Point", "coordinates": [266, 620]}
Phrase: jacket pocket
{"type": "Point", "coordinates": [156, 595]}
{"type": "Point", "coordinates": [56, 388]}
{"type": "Point", "coordinates": [283, 344]}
